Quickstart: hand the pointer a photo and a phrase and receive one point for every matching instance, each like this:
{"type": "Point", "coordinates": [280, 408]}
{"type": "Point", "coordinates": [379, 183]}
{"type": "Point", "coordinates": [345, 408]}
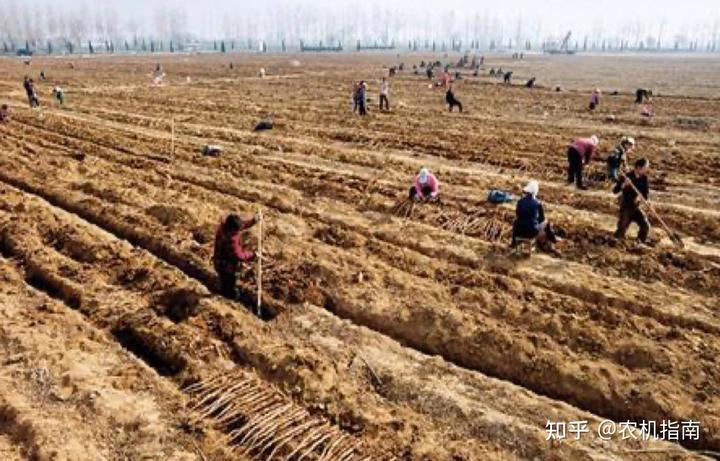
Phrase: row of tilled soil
{"type": "Point", "coordinates": [68, 392]}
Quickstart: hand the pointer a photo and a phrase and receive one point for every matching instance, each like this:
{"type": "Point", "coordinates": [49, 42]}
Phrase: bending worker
{"type": "Point", "coordinates": [617, 160]}
{"type": "Point", "coordinates": [579, 153]}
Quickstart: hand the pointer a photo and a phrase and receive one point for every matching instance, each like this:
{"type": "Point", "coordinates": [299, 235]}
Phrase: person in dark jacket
{"type": "Point", "coordinates": [29, 86]}
{"type": "Point", "coordinates": [530, 222]}
{"type": "Point", "coordinates": [361, 98]}
{"type": "Point", "coordinates": [530, 83]}
{"type": "Point", "coordinates": [642, 95]}
{"type": "Point", "coordinates": [507, 77]}
{"type": "Point", "coordinates": [451, 101]}
{"type": "Point", "coordinates": [630, 211]}
{"type": "Point", "coordinates": [230, 253]}
{"type": "Point", "coordinates": [617, 160]}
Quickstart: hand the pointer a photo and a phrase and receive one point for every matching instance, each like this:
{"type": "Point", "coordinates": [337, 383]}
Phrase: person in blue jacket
{"type": "Point", "coordinates": [530, 219]}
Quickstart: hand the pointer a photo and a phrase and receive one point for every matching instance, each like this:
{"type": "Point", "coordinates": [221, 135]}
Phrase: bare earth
{"type": "Point", "coordinates": [405, 333]}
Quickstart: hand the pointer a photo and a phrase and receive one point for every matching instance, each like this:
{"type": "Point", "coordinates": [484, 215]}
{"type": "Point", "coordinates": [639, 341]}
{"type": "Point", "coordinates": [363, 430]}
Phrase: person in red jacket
{"type": "Point", "coordinates": [230, 253]}
{"type": "Point", "coordinates": [579, 153]}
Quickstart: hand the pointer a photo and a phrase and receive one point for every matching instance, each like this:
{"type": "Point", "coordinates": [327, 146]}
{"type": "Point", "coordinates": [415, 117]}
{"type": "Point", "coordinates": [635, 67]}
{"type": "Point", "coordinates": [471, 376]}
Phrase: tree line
{"type": "Point", "coordinates": [107, 27]}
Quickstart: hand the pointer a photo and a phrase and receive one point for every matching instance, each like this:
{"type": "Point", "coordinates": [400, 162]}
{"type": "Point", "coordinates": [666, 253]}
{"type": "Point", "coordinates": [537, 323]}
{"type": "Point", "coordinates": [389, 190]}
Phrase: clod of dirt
{"type": "Point", "coordinates": [203, 235]}
{"type": "Point", "coordinates": [170, 215]}
{"type": "Point", "coordinates": [178, 304]}
{"type": "Point", "coordinates": [103, 193]}
{"type": "Point", "coordinates": [340, 237]}
{"type": "Point", "coordinates": [282, 204]}
{"type": "Point", "coordinates": [635, 355]}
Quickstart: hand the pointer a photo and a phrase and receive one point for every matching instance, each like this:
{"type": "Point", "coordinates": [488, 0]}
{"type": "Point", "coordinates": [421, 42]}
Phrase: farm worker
{"type": "Point", "coordinates": [579, 153]}
{"type": "Point", "coordinates": [384, 92]}
{"type": "Point", "coordinates": [158, 74]}
{"type": "Point", "coordinates": [630, 202]}
{"type": "Point", "coordinates": [445, 79]}
{"type": "Point", "coordinates": [595, 99]}
{"type": "Point", "coordinates": [530, 222]}
{"type": "Point", "coordinates": [530, 83]}
{"type": "Point", "coordinates": [4, 113]}
{"type": "Point", "coordinates": [29, 86]}
{"type": "Point", "coordinates": [451, 101]}
{"type": "Point", "coordinates": [59, 95]}
{"type": "Point", "coordinates": [429, 72]}
{"type": "Point", "coordinates": [355, 86]}
{"type": "Point", "coordinates": [425, 186]}
{"type": "Point", "coordinates": [507, 77]}
{"type": "Point", "coordinates": [642, 95]}
{"type": "Point", "coordinates": [261, 74]}
{"type": "Point", "coordinates": [360, 98]}
{"type": "Point", "coordinates": [229, 252]}
{"type": "Point", "coordinates": [617, 160]}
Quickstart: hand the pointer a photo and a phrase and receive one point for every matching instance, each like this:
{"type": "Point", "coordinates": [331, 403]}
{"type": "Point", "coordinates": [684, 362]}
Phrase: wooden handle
{"type": "Point", "coordinates": [259, 265]}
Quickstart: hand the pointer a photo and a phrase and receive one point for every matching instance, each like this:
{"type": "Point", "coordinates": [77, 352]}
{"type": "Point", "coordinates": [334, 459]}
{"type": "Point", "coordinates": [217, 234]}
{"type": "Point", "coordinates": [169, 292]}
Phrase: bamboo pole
{"type": "Point", "coordinates": [259, 265]}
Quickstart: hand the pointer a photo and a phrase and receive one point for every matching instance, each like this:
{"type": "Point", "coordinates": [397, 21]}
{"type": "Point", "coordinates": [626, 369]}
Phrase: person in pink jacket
{"type": "Point", "coordinates": [579, 153]}
{"type": "Point", "coordinates": [425, 186]}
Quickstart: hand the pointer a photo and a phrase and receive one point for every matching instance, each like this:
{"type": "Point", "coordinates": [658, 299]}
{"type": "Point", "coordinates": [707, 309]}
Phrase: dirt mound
{"type": "Point", "coordinates": [170, 215]}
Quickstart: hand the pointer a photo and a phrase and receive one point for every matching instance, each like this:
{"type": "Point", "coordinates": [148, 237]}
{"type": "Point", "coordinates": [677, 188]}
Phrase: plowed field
{"type": "Point", "coordinates": [390, 332]}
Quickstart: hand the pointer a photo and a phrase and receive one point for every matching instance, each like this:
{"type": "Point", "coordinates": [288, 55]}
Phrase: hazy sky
{"type": "Point", "coordinates": [551, 16]}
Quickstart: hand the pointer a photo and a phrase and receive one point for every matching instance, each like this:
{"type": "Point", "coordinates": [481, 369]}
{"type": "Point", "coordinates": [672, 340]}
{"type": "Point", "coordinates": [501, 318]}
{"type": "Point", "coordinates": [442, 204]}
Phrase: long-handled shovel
{"type": "Point", "coordinates": [259, 265]}
{"type": "Point", "coordinates": [674, 236]}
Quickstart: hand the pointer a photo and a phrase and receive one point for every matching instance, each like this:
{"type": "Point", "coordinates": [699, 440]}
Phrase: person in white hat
{"type": "Point", "coordinates": [530, 222]}
{"type": "Point", "coordinates": [579, 153]}
{"type": "Point", "coordinates": [425, 186]}
{"type": "Point", "coordinates": [617, 160]}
